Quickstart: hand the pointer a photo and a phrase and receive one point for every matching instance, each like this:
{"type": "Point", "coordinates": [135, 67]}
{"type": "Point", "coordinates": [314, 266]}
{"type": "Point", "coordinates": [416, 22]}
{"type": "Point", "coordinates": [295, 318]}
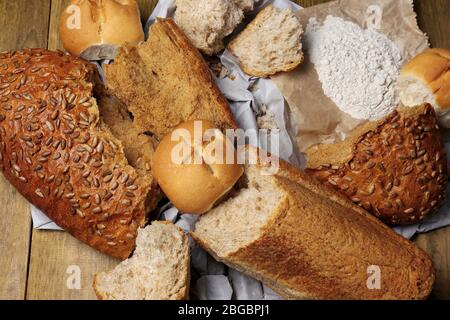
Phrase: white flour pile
{"type": "Point", "coordinates": [358, 67]}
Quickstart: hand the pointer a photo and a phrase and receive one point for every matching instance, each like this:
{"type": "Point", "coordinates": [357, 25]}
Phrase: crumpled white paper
{"type": "Point", "coordinates": [248, 97]}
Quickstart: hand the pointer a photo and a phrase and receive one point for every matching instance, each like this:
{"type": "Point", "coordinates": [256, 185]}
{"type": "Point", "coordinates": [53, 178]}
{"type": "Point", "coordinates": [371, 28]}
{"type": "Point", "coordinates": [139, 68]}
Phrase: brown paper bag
{"type": "Point", "coordinates": [318, 118]}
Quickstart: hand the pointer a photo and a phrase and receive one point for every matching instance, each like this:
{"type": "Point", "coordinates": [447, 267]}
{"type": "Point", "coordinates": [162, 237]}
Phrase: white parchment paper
{"type": "Point", "coordinates": [249, 97]}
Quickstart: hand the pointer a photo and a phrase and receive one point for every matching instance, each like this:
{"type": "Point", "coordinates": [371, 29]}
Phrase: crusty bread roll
{"type": "Point", "coordinates": [94, 29]}
{"type": "Point", "coordinates": [271, 43]}
{"type": "Point", "coordinates": [307, 242]}
{"type": "Point", "coordinates": [426, 79]}
{"type": "Point", "coordinates": [196, 177]}
{"type": "Point", "coordinates": [395, 168]}
{"type": "Point", "coordinates": [158, 270]}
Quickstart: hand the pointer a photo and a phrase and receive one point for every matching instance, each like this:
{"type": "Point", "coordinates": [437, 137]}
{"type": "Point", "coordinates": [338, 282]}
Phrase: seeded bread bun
{"type": "Point", "coordinates": [60, 155]}
{"type": "Point", "coordinates": [158, 270]}
{"type": "Point", "coordinates": [395, 168]}
{"type": "Point", "coordinates": [94, 29]}
{"type": "Point", "coordinates": [426, 79]}
{"type": "Point", "coordinates": [271, 43]}
{"type": "Point", "coordinates": [196, 177]}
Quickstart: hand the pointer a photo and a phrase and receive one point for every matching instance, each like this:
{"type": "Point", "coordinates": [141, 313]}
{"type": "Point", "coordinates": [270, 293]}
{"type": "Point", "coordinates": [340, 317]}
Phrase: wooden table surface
{"type": "Point", "coordinates": [42, 264]}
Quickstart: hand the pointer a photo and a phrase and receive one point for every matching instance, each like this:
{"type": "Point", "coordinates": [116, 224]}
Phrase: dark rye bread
{"type": "Point", "coordinates": [395, 168]}
{"type": "Point", "coordinates": [306, 241]}
{"type": "Point", "coordinates": [175, 82]}
{"type": "Point", "coordinates": [60, 155]}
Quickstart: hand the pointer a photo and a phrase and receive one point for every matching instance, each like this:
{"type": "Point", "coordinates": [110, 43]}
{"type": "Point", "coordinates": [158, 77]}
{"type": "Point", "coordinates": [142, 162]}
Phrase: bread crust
{"type": "Point", "coordinates": [395, 168]}
{"type": "Point", "coordinates": [106, 22]}
{"type": "Point", "coordinates": [318, 245]}
{"type": "Point", "coordinates": [260, 18]}
{"type": "Point", "coordinates": [179, 89]}
{"type": "Point", "coordinates": [61, 157]}
{"type": "Point", "coordinates": [432, 68]}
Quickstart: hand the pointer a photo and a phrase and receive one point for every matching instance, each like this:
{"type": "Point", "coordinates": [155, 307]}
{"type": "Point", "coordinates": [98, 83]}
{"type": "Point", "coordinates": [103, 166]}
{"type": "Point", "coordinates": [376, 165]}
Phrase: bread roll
{"type": "Point", "coordinates": [426, 79]}
{"type": "Point", "coordinates": [395, 168]}
{"type": "Point", "coordinates": [94, 29]}
{"type": "Point", "coordinates": [158, 270]}
{"type": "Point", "coordinates": [196, 177]}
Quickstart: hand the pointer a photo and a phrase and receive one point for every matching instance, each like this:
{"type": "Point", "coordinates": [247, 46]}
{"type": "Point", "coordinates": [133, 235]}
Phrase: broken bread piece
{"type": "Point", "coordinates": [271, 43]}
{"type": "Point", "coordinates": [206, 24]}
{"type": "Point", "coordinates": [174, 83]}
{"type": "Point", "coordinates": [158, 270]}
{"type": "Point", "coordinates": [426, 79]}
{"type": "Point", "coordinates": [306, 241]}
{"type": "Point", "coordinates": [395, 168]}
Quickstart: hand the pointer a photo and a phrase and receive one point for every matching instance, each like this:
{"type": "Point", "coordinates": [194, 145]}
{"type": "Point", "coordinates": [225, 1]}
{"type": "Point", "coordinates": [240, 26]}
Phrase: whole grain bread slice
{"type": "Point", "coordinates": [158, 270]}
{"type": "Point", "coordinates": [165, 81]}
{"type": "Point", "coordinates": [306, 241]}
{"type": "Point", "coordinates": [271, 43]}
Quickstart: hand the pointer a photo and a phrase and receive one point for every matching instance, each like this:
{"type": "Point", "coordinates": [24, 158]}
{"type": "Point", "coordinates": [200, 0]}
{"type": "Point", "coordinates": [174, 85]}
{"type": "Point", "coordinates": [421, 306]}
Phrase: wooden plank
{"type": "Point", "coordinates": [56, 260]}
{"type": "Point", "coordinates": [23, 23]}
{"type": "Point", "coordinates": [433, 19]}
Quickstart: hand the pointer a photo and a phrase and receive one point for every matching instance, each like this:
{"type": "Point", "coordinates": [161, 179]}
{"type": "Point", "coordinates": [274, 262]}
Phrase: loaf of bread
{"type": "Point", "coordinates": [305, 241]}
{"type": "Point", "coordinates": [195, 165]}
{"type": "Point", "coordinates": [426, 79]}
{"type": "Point", "coordinates": [62, 157]}
{"type": "Point", "coordinates": [271, 43]}
{"type": "Point", "coordinates": [395, 168]}
{"type": "Point", "coordinates": [158, 270]}
{"type": "Point", "coordinates": [95, 29]}
{"type": "Point", "coordinates": [165, 81]}
{"type": "Point", "coordinates": [207, 22]}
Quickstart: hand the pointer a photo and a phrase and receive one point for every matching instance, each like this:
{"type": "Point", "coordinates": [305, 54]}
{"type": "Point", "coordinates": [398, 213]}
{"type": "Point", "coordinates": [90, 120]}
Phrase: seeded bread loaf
{"type": "Point", "coordinates": [158, 270]}
{"type": "Point", "coordinates": [304, 240]}
{"type": "Point", "coordinates": [175, 84]}
{"type": "Point", "coordinates": [271, 43]}
{"type": "Point", "coordinates": [395, 168]}
{"type": "Point", "coordinates": [60, 155]}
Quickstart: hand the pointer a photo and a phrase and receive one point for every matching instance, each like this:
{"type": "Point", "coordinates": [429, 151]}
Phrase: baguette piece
{"type": "Point", "coordinates": [395, 168]}
{"type": "Point", "coordinates": [59, 154]}
{"type": "Point", "coordinates": [271, 43]}
{"type": "Point", "coordinates": [175, 84]}
{"type": "Point", "coordinates": [307, 242]}
{"type": "Point", "coordinates": [158, 270]}
{"type": "Point", "coordinates": [426, 79]}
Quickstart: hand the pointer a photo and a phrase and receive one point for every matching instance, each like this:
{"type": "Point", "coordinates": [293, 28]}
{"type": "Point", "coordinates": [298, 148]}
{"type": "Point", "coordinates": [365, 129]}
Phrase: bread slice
{"type": "Point", "coordinates": [395, 168]}
{"type": "Point", "coordinates": [426, 79]}
{"type": "Point", "coordinates": [165, 81]}
{"type": "Point", "coordinates": [305, 241]}
{"type": "Point", "coordinates": [158, 270]}
{"type": "Point", "coordinates": [271, 43]}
